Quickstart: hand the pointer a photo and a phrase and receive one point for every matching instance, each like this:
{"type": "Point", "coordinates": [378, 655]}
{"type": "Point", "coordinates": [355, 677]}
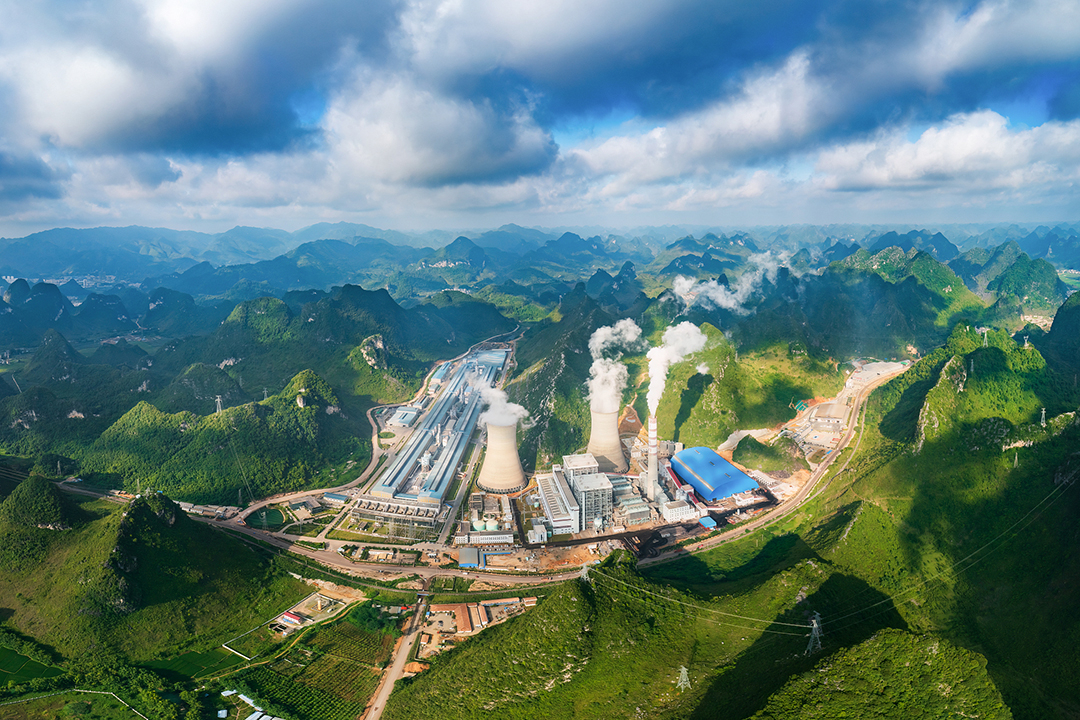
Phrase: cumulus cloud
{"type": "Point", "coordinates": [678, 341]}
{"type": "Point", "coordinates": [968, 152]}
{"type": "Point", "coordinates": [187, 111]}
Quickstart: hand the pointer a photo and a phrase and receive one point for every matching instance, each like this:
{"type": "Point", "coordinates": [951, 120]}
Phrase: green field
{"type": "Point", "coordinates": [19, 668]}
{"type": "Point", "coordinates": [72, 704]}
{"type": "Point", "coordinates": [199, 664]}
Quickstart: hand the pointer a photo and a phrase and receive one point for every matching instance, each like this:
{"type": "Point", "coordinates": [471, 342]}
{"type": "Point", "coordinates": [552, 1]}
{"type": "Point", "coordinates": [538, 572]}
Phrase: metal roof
{"type": "Point", "coordinates": [711, 476]}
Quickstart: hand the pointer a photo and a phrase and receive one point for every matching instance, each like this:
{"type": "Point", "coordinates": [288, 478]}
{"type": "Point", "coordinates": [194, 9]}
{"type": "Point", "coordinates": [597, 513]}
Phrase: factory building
{"type": "Point", "coordinates": [678, 511]}
{"type": "Point", "coordinates": [594, 495]}
{"type": "Point", "coordinates": [629, 508]}
{"type": "Point", "coordinates": [413, 486]}
{"type": "Point", "coordinates": [560, 507]}
{"type": "Point", "coordinates": [710, 476]}
{"type": "Point", "coordinates": [583, 464]}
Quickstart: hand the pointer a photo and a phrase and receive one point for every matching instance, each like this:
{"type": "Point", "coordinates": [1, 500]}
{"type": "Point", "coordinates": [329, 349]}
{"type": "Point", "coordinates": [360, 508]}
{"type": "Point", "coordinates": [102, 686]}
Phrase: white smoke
{"type": "Point", "coordinates": [678, 342]}
{"type": "Point", "coordinates": [712, 293]}
{"type": "Point", "coordinates": [703, 369]}
{"type": "Point", "coordinates": [607, 376]}
{"type": "Point", "coordinates": [500, 411]}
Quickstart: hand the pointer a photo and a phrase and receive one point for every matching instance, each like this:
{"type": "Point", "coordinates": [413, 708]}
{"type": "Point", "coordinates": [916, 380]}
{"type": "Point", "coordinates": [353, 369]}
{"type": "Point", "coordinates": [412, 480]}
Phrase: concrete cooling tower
{"type": "Point", "coordinates": [501, 472]}
{"type": "Point", "coordinates": [604, 442]}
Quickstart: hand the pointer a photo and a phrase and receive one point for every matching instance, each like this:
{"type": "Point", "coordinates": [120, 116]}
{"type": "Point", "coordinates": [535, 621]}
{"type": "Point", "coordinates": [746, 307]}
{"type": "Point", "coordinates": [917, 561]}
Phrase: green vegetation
{"type": "Point", "coordinates": [69, 705]}
{"type": "Point", "coordinates": [373, 620]}
{"type": "Point", "coordinates": [35, 502]}
{"type": "Point", "coordinates": [892, 675]}
{"type": "Point", "coordinates": [782, 456]}
{"type": "Point", "coordinates": [144, 580]}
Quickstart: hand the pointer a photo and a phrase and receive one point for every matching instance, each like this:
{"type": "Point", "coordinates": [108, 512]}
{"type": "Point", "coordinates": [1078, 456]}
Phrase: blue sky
{"type": "Point", "coordinates": [470, 113]}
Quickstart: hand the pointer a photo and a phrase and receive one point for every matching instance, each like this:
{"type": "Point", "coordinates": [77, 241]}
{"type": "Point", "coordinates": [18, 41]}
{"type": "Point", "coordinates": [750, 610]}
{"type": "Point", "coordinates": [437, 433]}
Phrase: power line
{"type": "Point", "coordinates": [1059, 490]}
{"type": "Point", "coordinates": [698, 607]}
{"type": "Point", "coordinates": [708, 619]}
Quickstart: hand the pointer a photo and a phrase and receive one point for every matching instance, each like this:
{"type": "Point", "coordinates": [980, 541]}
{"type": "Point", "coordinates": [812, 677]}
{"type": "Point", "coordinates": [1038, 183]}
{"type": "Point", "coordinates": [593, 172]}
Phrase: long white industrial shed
{"type": "Point", "coordinates": [486, 365]}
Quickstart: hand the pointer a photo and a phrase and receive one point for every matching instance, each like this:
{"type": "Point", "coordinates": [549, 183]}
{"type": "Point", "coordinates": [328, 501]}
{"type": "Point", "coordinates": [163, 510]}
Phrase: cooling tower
{"type": "Point", "coordinates": [501, 472]}
{"type": "Point", "coordinates": [654, 461]}
{"type": "Point", "coordinates": [604, 442]}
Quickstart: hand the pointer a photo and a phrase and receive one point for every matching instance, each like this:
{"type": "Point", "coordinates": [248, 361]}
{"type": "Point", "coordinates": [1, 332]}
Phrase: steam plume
{"type": "Point", "coordinates": [764, 265]}
{"type": "Point", "coordinates": [500, 411]}
{"type": "Point", "coordinates": [607, 376]}
{"type": "Point", "coordinates": [678, 342]}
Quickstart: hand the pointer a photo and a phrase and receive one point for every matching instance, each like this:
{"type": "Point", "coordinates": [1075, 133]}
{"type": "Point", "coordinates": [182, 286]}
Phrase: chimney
{"type": "Point", "coordinates": [501, 472]}
{"type": "Point", "coordinates": [654, 461]}
{"type": "Point", "coordinates": [604, 442]}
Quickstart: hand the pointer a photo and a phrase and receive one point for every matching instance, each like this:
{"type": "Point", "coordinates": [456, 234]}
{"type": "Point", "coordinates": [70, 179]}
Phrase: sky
{"type": "Point", "coordinates": [205, 114]}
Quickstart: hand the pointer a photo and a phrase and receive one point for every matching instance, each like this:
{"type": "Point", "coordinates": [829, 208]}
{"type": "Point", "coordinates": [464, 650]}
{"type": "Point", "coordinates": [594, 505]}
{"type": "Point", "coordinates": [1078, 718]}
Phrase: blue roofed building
{"type": "Point", "coordinates": [710, 476]}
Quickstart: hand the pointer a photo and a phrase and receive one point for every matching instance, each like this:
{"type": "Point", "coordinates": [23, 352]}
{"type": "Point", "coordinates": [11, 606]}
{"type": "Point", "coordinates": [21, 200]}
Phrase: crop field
{"type": "Point", "coordinates": [255, 643]}
{"type": "Point", "coordinates": [196, 664]}
{"type": "Point", "coordinates": [19, 668]}
{"type": "Point", "coordinates": [346, 679]}
{"type": "Point", "coordinates": [298, 699]}
{"type": "Point", "coordinates": [345, 640]}
{"type": "Point", "coordinates": [83, 705]}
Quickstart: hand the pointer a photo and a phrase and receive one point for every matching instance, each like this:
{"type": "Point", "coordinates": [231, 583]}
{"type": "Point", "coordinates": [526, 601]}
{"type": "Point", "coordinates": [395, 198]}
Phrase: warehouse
{"type": "Point", "coordinates": [710, 476]}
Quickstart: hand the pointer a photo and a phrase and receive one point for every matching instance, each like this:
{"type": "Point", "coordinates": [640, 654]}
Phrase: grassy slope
{"type": "Point", "coordinates": [703, 409]}
{"type": "Point", "coordinates": [191, 587]}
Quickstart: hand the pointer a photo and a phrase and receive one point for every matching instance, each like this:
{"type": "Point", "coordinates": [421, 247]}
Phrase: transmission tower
{"type": "Point", "coordinates": [985, 340]}
{"type": "Point", "coordinates": [218, 404]}
{"type": "Point", "coordinates": [684, 679]}
{"type": "Point", "coordinates": [815, 634]}
{"type": "Point", "coordinates": [585, 574]}
{"type": "Point", "coordinates": [265, 396]}
{"type": "Point", "coordinates": [1016, 458]}
{"type": "Point", "coordinates": [1026, 341]}
{"type": "Point", "coordinates": [972, 366]}
{"type": "Point", "coordinates": [1043, 420]}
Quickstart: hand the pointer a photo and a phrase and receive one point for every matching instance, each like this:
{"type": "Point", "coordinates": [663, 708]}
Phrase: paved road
{"type": "Point", "coordinates": [397, 666]}
{"type": "Point", "coordinates": [795, 502]}
{"type": "Point", "coordinates": [335, 560]}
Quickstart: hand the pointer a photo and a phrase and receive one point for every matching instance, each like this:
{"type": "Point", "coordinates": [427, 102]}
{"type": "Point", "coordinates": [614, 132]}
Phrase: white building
{"type": "Point", "coordinates": [594, 494]}
{"type": "Point", "coordinates": [560, 507]}
{"type": "Point", "coordinates": [583, 464]}
{"type": "Point", "coordinates": [678, 511]}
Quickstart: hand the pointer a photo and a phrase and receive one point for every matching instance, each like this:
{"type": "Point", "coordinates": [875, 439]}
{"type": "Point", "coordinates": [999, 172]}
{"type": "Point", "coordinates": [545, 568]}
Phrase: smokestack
{"type": "Point", "coordinates": [604, 442]}
{"type": "Point", "coordinates": [654, 461]}
{"type": "Point", "coordinates": [501, 472]}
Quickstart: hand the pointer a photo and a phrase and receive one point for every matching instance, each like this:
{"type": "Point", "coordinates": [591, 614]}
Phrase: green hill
{"type": "Point", "coordinates": [782, 456]}
{"type": "Point", "coordinates": [892, 675]}
{"type": "Point", "coordinates": [144, 581]}
{"type": "Point", "coordinates": [264, 448]}
{"type": "Point", "coordinates": [35, 502]}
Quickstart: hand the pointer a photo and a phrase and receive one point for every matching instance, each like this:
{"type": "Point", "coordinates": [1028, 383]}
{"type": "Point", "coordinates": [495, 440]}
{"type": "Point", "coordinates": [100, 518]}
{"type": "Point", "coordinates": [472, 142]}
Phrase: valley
{"type": "Point", "coordinates": [568, 421]}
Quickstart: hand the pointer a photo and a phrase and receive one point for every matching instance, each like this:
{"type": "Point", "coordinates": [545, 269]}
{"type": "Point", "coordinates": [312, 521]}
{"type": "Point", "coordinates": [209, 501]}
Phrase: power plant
{"type": "Point", "coordinates": [654, 461]}
{"type": "Point", "coordinates": [501, 472]}
{"type": "Point", "coordinates": [604, 442]}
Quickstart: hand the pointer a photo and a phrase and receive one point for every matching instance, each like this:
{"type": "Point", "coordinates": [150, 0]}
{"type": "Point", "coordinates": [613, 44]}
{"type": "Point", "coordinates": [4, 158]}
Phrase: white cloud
{"type": "Point", "coordinates": [391, 129]}
{"type": "Point", "coordinates": [967, 152]}
{"type": "Point", "coordinates": [771, 110]}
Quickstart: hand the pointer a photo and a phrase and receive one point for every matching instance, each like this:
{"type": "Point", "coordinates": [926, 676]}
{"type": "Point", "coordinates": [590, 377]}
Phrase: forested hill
{"type": "Point", "coordinates": [130, 417]}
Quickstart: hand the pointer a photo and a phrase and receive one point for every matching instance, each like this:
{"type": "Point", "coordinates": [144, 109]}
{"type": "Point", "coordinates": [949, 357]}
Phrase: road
{"type": "Point", "coordinates": [335, 560]}
{"type": "Point", "coordinates": [794, 502]}
{"type": "Point", "coordinates": [397, 667]}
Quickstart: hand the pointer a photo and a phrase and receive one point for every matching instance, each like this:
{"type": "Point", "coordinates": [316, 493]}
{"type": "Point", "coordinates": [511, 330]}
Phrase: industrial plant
{"type": "Point", "coordinates": [413, 487]}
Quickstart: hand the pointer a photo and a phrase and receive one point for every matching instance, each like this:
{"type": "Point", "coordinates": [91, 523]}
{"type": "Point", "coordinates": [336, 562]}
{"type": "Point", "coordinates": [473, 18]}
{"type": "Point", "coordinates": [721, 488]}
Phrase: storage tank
{"type": "Point", "coordinates": [604, 442]}
{"type": "Point", "coordinates": [501, 472]}
{"type": "Point", "coordinates": [478, 525]}
{"type": "Point", "coordinates": [492, 524]}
